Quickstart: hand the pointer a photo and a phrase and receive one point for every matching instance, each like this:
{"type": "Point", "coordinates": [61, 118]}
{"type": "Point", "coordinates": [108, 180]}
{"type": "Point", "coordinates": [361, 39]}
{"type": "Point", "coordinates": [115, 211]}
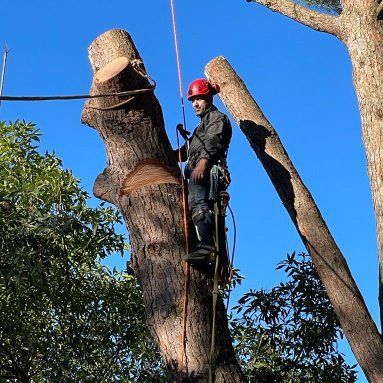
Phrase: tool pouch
{"type": "Point", "coordinates": [219, 181]}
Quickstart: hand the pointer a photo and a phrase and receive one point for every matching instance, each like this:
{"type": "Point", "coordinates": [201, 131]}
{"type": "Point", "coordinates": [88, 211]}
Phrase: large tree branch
{"type": "Point", "coordinates": [318, 21]}
{"type": "Point", "coordinates": [348, 303]}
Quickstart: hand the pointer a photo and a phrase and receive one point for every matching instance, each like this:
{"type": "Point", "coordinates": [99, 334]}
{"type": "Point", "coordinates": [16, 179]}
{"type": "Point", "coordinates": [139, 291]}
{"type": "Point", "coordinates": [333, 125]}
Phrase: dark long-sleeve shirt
{"type": "Point", "coordinates": [210, 139]}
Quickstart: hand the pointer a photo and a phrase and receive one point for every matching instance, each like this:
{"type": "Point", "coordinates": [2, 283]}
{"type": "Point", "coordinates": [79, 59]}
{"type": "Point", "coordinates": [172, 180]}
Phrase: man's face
{"type": "Point", "coordinates": [201, 104]}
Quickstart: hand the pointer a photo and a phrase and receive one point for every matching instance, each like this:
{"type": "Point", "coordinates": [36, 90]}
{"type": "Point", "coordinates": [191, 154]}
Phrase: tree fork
{"type": "Point", "coordinates": [348, 303]}
{"type": "Point", "coordinates": [135, 137]}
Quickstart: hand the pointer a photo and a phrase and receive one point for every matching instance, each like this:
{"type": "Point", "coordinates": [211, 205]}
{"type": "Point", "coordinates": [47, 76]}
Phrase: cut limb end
{"type": "Point", "coordinates": [111, 70]}
{"type": "Point", "coordinates": [148, 172]}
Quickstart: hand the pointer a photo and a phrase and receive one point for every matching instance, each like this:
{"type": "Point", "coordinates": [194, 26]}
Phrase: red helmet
{"type": "Point", "coordinates": [201, 87]}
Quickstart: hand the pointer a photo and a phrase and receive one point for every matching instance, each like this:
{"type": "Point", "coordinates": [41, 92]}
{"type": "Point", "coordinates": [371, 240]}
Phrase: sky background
{"type": "Point", "coordinates": [302, 80]}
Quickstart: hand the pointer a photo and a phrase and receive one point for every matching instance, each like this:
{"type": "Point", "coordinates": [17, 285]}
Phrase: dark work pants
{"type": "Point", "coordinates": [200, 209]}
{"type": "Point", "coordinates": [198, 197]}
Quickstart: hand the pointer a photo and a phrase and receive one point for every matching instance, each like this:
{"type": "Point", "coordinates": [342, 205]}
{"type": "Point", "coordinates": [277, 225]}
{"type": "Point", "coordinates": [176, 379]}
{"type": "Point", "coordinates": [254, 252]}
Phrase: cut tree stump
{"type": "Point", "coordinates": [328, 260]}
{"type": "Point", "coordinates": [134, 135]}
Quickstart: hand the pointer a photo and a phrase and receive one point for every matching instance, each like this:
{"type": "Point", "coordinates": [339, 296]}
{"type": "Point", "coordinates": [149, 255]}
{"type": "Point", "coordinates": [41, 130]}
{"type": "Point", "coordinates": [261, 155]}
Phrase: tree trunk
{"type": "Point", "coordinates": [355, 320]}
{"type": "Point", "coordinates": [363, 35]}
{"type": "Point", "coordinates": [134, 134]}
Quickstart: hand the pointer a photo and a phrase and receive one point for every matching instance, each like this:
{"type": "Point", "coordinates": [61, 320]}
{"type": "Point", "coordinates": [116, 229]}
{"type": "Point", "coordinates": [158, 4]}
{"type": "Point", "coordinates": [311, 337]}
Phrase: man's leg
{"type": "Point", "coordinates": [203, 219]}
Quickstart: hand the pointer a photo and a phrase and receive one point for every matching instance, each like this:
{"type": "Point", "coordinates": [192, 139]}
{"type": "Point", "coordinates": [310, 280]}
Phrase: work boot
{"type": "Point", "coordinates": [205, 250]}
{"type": "Point", "coordinates": [202, 254]}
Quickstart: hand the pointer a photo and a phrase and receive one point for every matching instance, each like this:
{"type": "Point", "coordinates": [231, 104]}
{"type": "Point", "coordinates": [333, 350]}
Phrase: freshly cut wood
{"type": "Point", "coordinates": [133, 133]}
{"type": "Point", "coordinates": [348, 303]}
{"type": "Point", "coordinates": [148, 172]}
{"type": "Point", "coordinates": [112, 69]}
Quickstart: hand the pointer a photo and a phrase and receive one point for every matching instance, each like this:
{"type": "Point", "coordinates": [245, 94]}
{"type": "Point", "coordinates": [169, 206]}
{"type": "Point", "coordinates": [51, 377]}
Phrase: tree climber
{"type": "Point", "coordinates": [206, 147]}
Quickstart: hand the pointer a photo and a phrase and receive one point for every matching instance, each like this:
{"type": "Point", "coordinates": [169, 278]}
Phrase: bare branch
{"type": "Point", "coordinates": [349, 306]}
{"type": "Point", "coordinates": [318, 21]}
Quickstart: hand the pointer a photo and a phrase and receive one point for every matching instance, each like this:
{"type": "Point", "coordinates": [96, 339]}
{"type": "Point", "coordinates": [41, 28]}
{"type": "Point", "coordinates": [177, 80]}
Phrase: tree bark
{"type": "Point", "coordinates": [363, 35]}
{"type": "Point", "coordinates": [316, 20]}
{"type": "Point", "coordinates": [134, 134]}
{"type": "Point", "coordinates": [361, 29]}
{"type": "Point", "coordinates": [348, 303]}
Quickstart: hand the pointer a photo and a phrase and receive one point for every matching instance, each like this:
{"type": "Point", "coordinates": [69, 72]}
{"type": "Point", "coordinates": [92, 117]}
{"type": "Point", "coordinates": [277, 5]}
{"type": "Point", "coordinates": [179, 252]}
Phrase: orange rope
{"type": "Point", "coordinates": [186, 272]}
{"type": "Point", "coordinates": [184, 206]}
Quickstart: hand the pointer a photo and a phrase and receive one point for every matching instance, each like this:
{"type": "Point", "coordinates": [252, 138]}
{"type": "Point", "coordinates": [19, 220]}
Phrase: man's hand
{"type": "Point", "coordinates": [199, 172]}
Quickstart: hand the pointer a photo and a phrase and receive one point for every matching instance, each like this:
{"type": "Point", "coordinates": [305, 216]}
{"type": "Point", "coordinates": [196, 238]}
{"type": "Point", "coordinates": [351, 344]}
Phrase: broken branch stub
{"type": "Point", "coordinates": [148, 172]}
{"type": "Point", "coordinates": [111, 70]}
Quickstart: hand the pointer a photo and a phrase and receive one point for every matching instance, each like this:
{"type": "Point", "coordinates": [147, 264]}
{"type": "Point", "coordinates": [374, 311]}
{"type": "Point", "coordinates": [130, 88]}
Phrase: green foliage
{"type": "Point", "coordinates": [289, 334]}
{"type": "Point", "coordinates": [64, 317]}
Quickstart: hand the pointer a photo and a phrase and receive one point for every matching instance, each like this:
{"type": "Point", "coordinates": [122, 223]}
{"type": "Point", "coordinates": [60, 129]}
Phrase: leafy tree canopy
{"type": "Point", "coordinates": [64, 317]}
{"type": "Point", "coordinates": [290, 333]}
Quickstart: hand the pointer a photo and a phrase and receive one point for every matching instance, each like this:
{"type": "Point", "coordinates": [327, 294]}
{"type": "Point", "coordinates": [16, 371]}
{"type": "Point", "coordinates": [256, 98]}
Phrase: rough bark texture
{"type": "Point", "coordinates": [348, 303]}
{"type": "Point", "coordinates": [318, 21]}
{"type": "Point", "coordinates": [363, 35]}
{"type": "Point", "coordinates": [134, 133]}
{"type": "Point", "coordinates": [360, 27]}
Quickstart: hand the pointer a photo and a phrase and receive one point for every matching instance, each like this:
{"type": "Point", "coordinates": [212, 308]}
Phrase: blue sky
{"type": "Point", "coordinates": [301, 78]}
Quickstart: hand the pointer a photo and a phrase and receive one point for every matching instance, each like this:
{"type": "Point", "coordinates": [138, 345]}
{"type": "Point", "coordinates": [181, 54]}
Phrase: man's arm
{"type": "Point", "coordinates": [217, 137]}
{"type": "Point", "coordinates": [199, 171]}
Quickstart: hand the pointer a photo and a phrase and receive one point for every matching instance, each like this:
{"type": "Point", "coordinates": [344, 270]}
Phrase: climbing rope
{"type": "Point", "coordinates": [231, 267]}
{"type": "Point", "coordinates": [137, 65]}
{"type": "Point", "coordinates": [186, 266]}
{"type": "Point", "coordinates": [183, 365]}
{"type": "Point", "coordinates": [75, 97]}
{"type": "Point", "coordinates": [215, 294]}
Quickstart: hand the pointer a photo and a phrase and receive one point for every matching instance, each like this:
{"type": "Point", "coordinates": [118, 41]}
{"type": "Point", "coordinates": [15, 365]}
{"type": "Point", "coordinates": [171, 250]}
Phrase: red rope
{"type": "Point", "coordinates": [186, 271]}
{"type": "Point", "coordinates": [178, 62]}
{"type": "Point", "coordinates": [184, 206]}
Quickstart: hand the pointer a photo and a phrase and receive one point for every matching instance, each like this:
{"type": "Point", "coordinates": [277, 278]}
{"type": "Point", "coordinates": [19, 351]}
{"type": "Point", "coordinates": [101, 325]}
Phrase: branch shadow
{"type": "Point", "coordinates": [280, 176]}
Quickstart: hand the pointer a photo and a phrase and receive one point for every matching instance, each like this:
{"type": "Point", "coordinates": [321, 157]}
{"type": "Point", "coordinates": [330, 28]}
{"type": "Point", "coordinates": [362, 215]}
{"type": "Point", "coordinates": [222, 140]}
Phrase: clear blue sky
{"type": "Point", "coordinates": [301, 78]}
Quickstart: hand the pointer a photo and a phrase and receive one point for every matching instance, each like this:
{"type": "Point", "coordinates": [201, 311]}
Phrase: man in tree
{"type": "Point", "coordinates": [207, 147]}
